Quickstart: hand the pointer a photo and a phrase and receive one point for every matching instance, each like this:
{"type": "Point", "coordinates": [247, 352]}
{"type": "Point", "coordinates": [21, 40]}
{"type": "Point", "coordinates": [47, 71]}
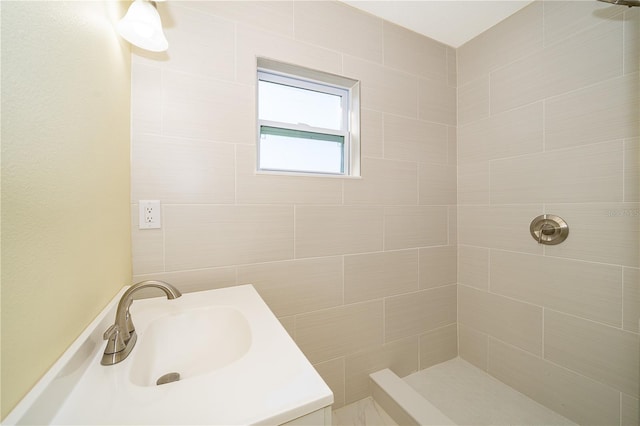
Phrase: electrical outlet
{"type": "Point", "coordinates": [149, 214]}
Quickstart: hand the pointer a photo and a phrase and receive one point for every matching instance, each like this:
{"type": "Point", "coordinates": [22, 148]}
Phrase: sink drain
{"type": "Point", "coordinates": [168, 378]}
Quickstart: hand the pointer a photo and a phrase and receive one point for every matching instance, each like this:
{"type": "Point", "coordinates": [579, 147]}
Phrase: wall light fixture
{"type": "Point", "coordinates": [141, 26]}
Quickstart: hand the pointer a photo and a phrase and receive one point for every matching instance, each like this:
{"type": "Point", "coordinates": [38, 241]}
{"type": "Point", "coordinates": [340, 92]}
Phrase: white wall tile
{"type": "Point", "coordinates": [438, 346]}
{"type": "Point", "coordinates": [452, 213]}
{"type": "Point", "coordinates": [253, 43]}
{"type": "Point", "coordinates": [598, 113]}
{"type": "Point", "coordinates": [147, 249]}
{"type": "Point", "coordinates": [199, 43]}
{"type": "Point", "coordinates": [332, 372]}
{"type": "Point", "coordinates": [606, 354]}
{"type": "Point", "coordinates": [400, 356]}
{"type": "Point", "coordinates": [514, 322]}
{"type": "Point", "coordinates": [452, 67]}
{"type": "Point", "coordinates": [452, 141]}
{"type": "Point", "coordinates": [632, 170]}
{"type": "Point", "coordinates": [512, 133]}
{"type": "Point", "coordinates": [181, 170]}
{"type": "Point", "coordinates": [376, 275]}
{"type": "Point", "coordinates": [201, 236]}
{"type": "Point", "coordinates": [340, 27]}
{"type": "Point", "coordinates": [502, 44]}
{"type": "Point", "coordinates": [414, 53]}
{"type": "Point", "coordinates": [473, 100]}
{"type": "Point", "coordinates": [296, 286]}
{"type": "Point", "coordinates": [194, 148]}
{"type": "Point", "coordinates": [416, 313]}
{"type": "Point", "coordinates": [410, 139]}
{"type": "Point", "coordinates": [383, 89]}
{"type": "Point", "coordinates": [573, 395]}
{"type": "Point", "coordinates": [473, 267]}
{"type": "Point", "coordinates": [437, 102]}
{"type": "Point", "coordinates": [592, 173]}
{"type": "Point", "coordinates": [203, 108]}
{"type": "Point", "coordinates": [501, 227]}
{"type": "Point", "coordinates": [409, 227]}
{"type": "Point", "coordinates": [255, 188]}
{"type": "Point", "coordinates": [631, 300]}
{"type": "Point", "coordinates": [437, 184]}
{"type": "Point", "coordinates": [561, 129]}
{"type": "Point", "coordinates": [146, 106]}
{"type": "Point", "coordinates": [195, 280]}
{"type": "Point", "coordinates": [588, 290]}
{"type": "Point", "coordinates": [330, 333]}
{"type": "Point", "coordinates": [473, 346]}
{"type": "Point", "coordinates": [327, 230]}
{"type": "Point", "coordinates": [565, 18]}
{"type": "Point", "coordinates": [630, 411]}
{"type": "Point", "coordinates": [274, 16]}
{"type": "Point", "coordinates": [383, 182]}
{"type": "Point", "coordinates": [438, 266]}
{"type": "Point", "coordinates": [599, 232]}
{"type": "Point", "coordinates": [474, 183]}
{"type": "Point", "coordinates": [631, 26]}
{"type": "Point", "coordinates": [371, 133]}
{"type": "Point", "coordinates": [585, 58]}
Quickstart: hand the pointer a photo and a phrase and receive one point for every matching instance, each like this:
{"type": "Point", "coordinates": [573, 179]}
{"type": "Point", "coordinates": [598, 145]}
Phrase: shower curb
{"type": "Point", "coordinates": [402, 402]}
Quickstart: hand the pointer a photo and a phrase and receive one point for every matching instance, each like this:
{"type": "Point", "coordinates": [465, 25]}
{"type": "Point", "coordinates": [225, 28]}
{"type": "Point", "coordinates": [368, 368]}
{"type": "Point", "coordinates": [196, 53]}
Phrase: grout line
{"type": "Point", "coordinates": [235, 180]}
{"type": "Point", "coordinates": [384, 227]}
{"type": "Point", "coordinates": [622, 287]}
{"type": "Point", "coordinates": [544, 125]}
{"type": "Point", "coordinates": [624, 171]}
{"type": "Point", "coordinates": [489, 271]}
{"type": "Point", "coordinates": [164, 237]}
{"type": "Point", "coordinates": [621, 418]}
{"type": "Point", "coordinates": [624, 43]}
{"type": "Point", "coordinates": [344, 379]}
{"type": "Point", "coordinates": [235, 51]}
{"type": "Point", "coordinates": [384, 321]}
{"type": "Point", "coordinates": [555, 364]}
{"type": "Point", "coordinates": [542, 348]}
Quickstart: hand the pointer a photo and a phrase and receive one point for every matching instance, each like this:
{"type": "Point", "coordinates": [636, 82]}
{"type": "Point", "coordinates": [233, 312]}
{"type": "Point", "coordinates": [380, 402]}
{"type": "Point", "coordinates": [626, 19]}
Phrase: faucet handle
{"type": "Point", "coordinates": [111, 331]}
{"type": "Point", "coordinates": [115, 340]}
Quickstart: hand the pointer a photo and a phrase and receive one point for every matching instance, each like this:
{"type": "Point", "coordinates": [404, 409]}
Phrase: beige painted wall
{"type": "Point", "coordinates": [362, 272]}
{"type": "Point", "coordinates": [65, 179]}
{"type": "Point", "coordinates": [548, 122]}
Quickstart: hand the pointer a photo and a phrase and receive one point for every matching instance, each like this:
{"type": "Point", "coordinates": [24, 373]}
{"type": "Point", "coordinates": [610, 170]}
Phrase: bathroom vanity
{"type": "Point", "coordinates": [211, 357]}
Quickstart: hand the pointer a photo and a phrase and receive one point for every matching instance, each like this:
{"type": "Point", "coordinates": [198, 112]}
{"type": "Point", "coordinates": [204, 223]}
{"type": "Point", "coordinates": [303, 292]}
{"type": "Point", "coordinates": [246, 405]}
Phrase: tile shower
{"type": "Point", "coordinates": [428, 255]}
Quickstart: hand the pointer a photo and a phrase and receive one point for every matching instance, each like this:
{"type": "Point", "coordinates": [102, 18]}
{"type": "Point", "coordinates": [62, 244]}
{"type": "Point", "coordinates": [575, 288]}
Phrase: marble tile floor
{"type": "Point", "coordinates": [362, 413]}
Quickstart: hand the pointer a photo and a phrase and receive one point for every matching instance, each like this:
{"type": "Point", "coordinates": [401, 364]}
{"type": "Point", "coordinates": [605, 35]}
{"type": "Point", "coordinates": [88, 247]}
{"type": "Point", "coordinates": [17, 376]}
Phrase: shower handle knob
{"type": "Point", "coordinates": [549, 229]}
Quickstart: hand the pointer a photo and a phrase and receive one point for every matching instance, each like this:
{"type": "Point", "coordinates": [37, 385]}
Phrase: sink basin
{"type": "Point", "coordinates": [190, 344]}
{"type": "Point", "coordinates": [237, 365]}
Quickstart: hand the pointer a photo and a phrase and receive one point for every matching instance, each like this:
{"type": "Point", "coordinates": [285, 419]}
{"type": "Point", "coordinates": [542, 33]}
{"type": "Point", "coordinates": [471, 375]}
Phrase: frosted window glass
{"type": "Point", "coordinates": [294, 105]}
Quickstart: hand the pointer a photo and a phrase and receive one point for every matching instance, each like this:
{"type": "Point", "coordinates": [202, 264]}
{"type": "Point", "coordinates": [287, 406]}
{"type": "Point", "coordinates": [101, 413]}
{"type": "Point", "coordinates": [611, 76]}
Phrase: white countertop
{"type": "Point", "coordinates": [271, 384]}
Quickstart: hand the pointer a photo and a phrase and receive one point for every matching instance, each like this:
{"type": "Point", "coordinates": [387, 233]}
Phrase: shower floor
{"type": "Point", "coordinates": [469, 396]}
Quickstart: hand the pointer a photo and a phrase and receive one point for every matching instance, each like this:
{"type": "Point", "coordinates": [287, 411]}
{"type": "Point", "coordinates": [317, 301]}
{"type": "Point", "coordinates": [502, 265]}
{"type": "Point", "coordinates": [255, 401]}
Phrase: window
{"type": "Point", "coordinates": [308, 121]}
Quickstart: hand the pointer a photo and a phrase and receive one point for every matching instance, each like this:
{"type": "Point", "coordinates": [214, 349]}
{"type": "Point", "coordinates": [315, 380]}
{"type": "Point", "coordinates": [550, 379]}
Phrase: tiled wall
{"type": "Point", "coordinates": [362, 272]}
{"type": "Point", "coordinates": [548, 122]}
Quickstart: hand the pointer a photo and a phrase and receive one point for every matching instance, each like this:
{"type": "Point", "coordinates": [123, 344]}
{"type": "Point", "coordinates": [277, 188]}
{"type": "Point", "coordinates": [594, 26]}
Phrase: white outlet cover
{"type": "Point", "coordinates": [149, 216]}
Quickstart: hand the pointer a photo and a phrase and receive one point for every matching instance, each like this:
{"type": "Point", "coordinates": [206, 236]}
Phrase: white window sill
{"type": "Point", "coordinates": [303, 174]}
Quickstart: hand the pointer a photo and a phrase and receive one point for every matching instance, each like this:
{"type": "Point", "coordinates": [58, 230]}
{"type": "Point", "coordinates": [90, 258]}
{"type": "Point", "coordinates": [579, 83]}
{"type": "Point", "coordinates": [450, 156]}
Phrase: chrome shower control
{"type": "Point", "coordinates": [549, 229]}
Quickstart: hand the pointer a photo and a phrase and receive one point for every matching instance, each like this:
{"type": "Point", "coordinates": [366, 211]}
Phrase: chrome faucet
{"type": "Point", "coordinates": [121, 336]}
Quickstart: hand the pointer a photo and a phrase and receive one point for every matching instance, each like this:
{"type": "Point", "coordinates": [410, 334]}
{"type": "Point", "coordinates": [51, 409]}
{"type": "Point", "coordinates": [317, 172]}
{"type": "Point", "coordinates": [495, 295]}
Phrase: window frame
{"type": "Point", "coordinates": [299, 77]}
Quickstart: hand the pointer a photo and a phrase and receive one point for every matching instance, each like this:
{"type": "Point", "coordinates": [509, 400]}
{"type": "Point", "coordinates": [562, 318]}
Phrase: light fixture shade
{"type": "Point", "coordinates": [141, 26]}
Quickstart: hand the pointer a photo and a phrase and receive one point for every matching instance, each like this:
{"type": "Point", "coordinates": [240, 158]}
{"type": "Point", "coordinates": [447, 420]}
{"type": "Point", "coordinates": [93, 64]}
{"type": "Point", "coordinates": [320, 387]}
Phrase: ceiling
{"type": "Point", "coordinates": [452, 22]}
